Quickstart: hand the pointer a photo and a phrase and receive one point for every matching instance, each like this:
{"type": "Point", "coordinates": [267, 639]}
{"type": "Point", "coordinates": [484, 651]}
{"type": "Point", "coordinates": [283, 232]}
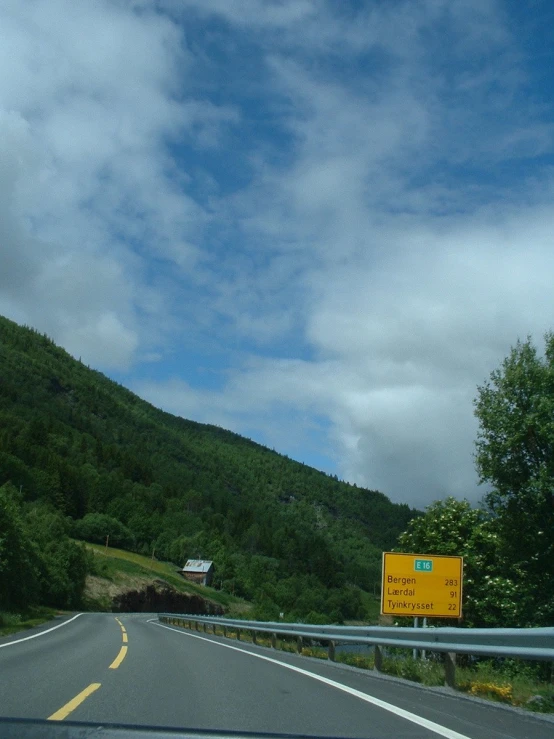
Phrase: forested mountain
{"type": "Point", "coordinates": [281, 533]}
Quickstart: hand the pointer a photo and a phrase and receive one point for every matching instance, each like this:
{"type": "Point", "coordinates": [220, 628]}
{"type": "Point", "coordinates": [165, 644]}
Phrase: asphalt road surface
{"type": "Point", "coordinates": [129, 669]}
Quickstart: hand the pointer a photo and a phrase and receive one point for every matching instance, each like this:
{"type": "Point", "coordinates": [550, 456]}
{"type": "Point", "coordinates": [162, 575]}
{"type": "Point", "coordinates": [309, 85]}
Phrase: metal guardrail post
{"type": "Point", "coordinates": [378, 658]}
{"type": "Point", "coordinates": [225, 631]}
{"type": "Point", "coordinates": [450, 669]}
{"type": "Point", "coordinates": [205, 627]}
{"type": "Point", "coordinates": [238, 634]}
{"type": "Point", "coordinates": [253, 632]}
{"type": "Point", "coordinates": [331, 651]}
{"type": "Point", "coordinates": [274, 641]}
{"type": "Point", "coordinates": [299, 641]}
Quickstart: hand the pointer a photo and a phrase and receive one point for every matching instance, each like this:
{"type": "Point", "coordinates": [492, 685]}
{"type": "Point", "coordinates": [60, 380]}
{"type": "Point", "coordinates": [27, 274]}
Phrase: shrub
{"type": "Point", "coordinates": [95, 527]}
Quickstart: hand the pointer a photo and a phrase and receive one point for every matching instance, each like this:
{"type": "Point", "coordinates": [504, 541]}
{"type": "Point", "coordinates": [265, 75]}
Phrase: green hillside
{"type": "Point", "coordinates": [116, 571]}
{"type": "Point", "coordinates": [282, 534]}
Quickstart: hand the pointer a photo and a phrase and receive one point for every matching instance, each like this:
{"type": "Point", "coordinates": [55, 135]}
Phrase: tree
{"type": "Point", "coordinates": [446, 528]}
{"type": "Point", "coordinates": [18, 557]}
{"type": "Point", "coordinates": [452, 527]}
{"type": "Point", "coordinates": [515, 455]}
{"type": "Point", "coordinates": [63, 564]}
{"type": "Point", "coordinates": [96, 527]}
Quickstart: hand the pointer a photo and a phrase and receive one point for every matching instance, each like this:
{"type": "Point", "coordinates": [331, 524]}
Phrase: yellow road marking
{"type": "Point", "coordinates": [64, 711]}
{"type": "Point", "coordinates": [119, 659]}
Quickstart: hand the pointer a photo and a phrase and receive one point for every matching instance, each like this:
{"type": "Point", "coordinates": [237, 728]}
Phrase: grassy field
{"type": "Point", "coordinates": [128, 569]}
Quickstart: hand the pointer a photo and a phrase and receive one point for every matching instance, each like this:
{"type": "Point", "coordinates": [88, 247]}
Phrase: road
{"type": "Point", "coordinates": [130, 669]}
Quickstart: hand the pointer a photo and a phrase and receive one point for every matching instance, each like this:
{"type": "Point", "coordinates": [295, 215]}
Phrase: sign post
{"type": "Point", "coordinates": [427, 585]}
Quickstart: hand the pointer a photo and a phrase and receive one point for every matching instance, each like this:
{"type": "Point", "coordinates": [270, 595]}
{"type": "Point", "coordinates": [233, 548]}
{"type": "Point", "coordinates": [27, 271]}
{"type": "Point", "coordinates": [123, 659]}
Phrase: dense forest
{"type": "Point", "coordinates": [88, 458]}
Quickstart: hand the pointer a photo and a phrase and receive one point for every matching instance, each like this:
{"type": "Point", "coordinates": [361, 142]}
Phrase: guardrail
{"type": "Point", "coordinates": [530, 644]}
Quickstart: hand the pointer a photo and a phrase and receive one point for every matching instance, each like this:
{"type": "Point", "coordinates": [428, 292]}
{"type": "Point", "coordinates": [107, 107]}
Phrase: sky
{"type": "Point", "coordinates": [321, 224]}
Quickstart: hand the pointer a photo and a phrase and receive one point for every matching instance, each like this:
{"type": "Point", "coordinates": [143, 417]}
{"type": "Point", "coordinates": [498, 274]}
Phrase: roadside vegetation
{"type": "Point", "coordinates": [11, 623]}
{"type": "Point", "coordinates": [39, 563]}
{"type": "Point", "coordinates": [517, 683]}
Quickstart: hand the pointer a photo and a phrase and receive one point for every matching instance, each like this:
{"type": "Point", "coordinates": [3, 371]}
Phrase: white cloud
{"type": "Point", "coordinates": [342, 210]}
{"type": "Point", "coordinates": [93, 96]}
{"type": "Point", "coordinates": [412, 339]}
{"type": "Point", "coordinates": [410, 295]}
{"type": "Point", "coordinates": [400, 348]}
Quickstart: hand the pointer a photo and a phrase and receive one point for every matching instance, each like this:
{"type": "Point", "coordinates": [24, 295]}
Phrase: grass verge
{"type": "Point", "coordinates": [526, 685]}
{"type": "Point", "coordinates": [11, 623]}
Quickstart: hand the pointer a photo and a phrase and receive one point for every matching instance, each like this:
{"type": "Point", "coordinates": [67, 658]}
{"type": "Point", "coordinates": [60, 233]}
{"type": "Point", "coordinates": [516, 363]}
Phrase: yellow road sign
{"type": "Point", "coordinates": [421, 585]}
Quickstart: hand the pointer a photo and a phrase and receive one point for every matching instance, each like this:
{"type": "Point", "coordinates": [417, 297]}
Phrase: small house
{"type": "Point", "coordinates": [200, 571]}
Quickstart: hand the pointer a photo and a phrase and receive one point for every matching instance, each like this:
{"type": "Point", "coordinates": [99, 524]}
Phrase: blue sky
{"type": "Point", "coordinates": [317, 223]}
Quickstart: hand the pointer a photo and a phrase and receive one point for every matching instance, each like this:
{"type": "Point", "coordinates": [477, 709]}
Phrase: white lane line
{"type": "Point", "coordinates": [414, 718]}
{"type": "Point", "coordinates": [41, 633]}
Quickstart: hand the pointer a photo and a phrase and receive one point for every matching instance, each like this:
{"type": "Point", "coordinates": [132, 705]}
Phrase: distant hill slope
{"type": "Point", "coordinates": [280, 532]}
